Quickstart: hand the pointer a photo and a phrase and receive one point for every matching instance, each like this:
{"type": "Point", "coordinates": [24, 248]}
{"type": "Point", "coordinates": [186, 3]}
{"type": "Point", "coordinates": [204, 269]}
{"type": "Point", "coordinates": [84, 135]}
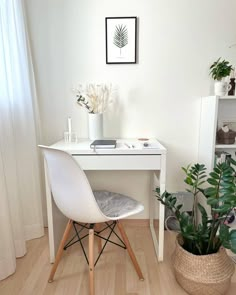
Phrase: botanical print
{"type": "Point", "coordinates": [121, 40]}
{"type": "Point", "coordinates": [120, 36]}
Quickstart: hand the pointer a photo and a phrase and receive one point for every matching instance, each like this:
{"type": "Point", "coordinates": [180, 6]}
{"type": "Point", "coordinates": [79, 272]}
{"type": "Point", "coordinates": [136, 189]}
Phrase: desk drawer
{"type": "Point", "coordinates": [119, 162]}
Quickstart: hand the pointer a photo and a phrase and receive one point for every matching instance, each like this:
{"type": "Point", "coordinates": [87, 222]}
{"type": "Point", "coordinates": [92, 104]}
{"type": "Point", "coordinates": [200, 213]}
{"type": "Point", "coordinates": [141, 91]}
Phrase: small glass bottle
{"type": "Point", "coordinates": [232, 89]}
{"type": "Point", "coordinates": [232, 83]}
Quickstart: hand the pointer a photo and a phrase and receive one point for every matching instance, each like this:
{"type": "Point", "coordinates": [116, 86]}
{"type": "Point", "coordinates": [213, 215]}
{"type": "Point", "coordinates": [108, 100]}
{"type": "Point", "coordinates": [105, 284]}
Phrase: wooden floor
{"type": "Point", "coordinates": [114, 273]}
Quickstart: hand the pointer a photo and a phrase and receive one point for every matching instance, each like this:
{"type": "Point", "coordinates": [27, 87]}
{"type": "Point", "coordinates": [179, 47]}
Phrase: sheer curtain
{"type": "Point", "coordinates": [20, 191]}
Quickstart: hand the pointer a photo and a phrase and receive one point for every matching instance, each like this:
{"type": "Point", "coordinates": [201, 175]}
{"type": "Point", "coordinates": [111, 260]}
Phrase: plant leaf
{"type": "Point", "coordinates": [120, 38]}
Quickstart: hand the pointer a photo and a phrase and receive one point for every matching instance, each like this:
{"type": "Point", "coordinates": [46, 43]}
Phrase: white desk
{"type": "Point", "coordinates": [137, 157]}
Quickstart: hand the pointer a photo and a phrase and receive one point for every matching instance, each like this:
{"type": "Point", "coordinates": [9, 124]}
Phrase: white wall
{"type": "Point", "coordinates": [158, 97]}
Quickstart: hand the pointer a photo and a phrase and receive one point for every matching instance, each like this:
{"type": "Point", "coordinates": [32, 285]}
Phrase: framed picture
{"type": "Point", "coordinates": [121, 36]}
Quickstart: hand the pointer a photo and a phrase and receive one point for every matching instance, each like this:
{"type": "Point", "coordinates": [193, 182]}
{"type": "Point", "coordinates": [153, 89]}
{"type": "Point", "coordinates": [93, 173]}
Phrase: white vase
{"type": "Point", "coordinates": [95, 125]}
{"type": "Point", "coordinates": [222, 88]}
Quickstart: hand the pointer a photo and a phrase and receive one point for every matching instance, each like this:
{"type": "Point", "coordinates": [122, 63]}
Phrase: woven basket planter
{"type": "Point", "coordinates": [202, 275]}
{"type": "Point", "coordinates": [225, 137]}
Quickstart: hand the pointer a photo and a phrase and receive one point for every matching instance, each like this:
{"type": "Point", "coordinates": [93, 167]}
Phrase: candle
{"type": "Point", "coordinates": [69, 125]}
{"type": "Point", "coordinates": [69, 128]}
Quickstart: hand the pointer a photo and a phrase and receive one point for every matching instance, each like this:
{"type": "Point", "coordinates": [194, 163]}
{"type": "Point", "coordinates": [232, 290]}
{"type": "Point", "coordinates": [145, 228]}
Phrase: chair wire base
{"type": "Point", "coordinates": [78, 237]}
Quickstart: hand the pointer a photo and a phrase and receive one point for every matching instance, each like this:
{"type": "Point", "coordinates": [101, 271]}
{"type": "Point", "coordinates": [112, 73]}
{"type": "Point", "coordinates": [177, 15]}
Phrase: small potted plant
{"type": "Point", "coordinates": [219, 70]}
{"type": "Point", "coordinates": [201, 264]}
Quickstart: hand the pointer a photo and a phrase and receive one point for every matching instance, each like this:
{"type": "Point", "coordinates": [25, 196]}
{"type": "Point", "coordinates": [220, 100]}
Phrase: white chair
{"type": "Point", "coordinates": [74, 197]}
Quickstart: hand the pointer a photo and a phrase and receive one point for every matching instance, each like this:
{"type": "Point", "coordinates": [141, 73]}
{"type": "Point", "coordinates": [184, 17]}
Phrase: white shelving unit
{"type": "Point", "coordinates": [214, 111]}
{"type": "Point", "coordinates": [225, 146]}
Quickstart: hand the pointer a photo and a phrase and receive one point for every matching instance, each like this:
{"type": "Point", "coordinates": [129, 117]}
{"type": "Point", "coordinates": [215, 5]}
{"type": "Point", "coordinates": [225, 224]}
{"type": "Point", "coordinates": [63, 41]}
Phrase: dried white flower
{"type": "Point", "coordinates": [94, 97]}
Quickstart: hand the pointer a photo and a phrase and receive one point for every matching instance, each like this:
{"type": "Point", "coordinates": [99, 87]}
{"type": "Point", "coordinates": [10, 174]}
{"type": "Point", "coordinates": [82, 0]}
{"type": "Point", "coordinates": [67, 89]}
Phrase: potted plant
{"type": "Point", "coordinates": [201, 263]}
{"type": "Point", "coordinates": [219, 70]}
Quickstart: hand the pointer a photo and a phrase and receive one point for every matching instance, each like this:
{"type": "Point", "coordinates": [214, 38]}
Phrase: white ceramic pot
{"type": "Point", "coordinates": [222, 88]}
{"type": "Point", "coordinates": [95, 125]}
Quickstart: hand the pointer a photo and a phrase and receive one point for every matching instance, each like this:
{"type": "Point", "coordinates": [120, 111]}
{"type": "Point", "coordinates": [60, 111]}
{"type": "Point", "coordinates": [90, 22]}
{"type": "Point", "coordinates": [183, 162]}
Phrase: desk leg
{"type": "Point", "coordinates": [162, 179]}
{"type": "Point", "coordinates": [50, 218]}
{"type": "Point", "coordinates": [158, 243]}
{"type": "Point", "coordinates": [161, 232]}
{"type": "Point", "coordinates": [151, 216]}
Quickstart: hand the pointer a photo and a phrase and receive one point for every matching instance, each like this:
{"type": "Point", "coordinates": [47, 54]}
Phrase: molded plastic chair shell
{"type": "Point", "coordinates": [74, 197]}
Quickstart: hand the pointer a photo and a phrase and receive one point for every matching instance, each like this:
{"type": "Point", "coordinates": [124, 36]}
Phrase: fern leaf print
{"type": "Point", "coordinates": [120, 38]}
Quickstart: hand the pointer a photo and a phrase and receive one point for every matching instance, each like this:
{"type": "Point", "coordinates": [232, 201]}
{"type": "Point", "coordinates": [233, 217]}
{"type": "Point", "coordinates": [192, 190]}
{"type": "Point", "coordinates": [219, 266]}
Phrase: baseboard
{"type": "Point", "coordinates": [33, 231]}
{"type": "Point", "coordinates": [139, 222]}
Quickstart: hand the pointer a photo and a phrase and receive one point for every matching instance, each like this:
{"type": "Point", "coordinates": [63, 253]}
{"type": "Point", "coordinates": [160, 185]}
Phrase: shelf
{"type": "Point", "coordinates": [214, 111]}
{"type": "Point", "coordinates": [227, 97]}
{"type": "Point", "coordinates": [225, 146]}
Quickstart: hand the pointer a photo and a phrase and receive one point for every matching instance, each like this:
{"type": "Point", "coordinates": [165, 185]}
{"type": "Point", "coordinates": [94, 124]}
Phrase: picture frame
{"type": "Point", "coordinates": [121, 40]}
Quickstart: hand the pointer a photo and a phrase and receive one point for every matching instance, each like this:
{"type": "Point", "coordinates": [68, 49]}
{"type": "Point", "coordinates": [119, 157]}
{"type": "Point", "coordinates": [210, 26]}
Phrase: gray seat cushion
{"type": "Point", "coordinates": [117, 206]}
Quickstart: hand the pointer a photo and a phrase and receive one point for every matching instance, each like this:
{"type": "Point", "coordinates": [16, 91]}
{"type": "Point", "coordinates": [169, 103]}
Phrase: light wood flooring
{"type": "Point", "coordinates": [114, 273]}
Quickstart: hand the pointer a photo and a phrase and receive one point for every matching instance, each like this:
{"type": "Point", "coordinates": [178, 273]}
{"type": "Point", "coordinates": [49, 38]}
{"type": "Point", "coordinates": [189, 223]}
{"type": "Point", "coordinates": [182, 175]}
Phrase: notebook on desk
{"type": "Point", "coordinates": [103, 144]}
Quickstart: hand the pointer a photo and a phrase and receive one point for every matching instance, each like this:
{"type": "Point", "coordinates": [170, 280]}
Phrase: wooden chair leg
{"type": "Point", "coordinates": [60, 250]}
{"type": "Point", "coordinates": [91, 261]}
{"type": "Point", "coordinates": [99, 241]}
{"type": "Point", "coordinates": [130, 251]}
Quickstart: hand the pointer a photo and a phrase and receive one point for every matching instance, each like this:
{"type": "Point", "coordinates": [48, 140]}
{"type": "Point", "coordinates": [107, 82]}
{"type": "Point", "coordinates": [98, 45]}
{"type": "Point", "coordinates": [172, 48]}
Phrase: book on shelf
{"type": "Point", "coordinates": [103, 144]}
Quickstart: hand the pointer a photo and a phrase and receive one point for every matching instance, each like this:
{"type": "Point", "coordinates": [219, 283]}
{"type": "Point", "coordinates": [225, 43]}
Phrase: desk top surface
{"type": "Point", "coordinates": [124, 147]}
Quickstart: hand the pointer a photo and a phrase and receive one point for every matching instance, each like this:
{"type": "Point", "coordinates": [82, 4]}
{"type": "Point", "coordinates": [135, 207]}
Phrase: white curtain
{"type": "Point", "coordinates": [20, 191]}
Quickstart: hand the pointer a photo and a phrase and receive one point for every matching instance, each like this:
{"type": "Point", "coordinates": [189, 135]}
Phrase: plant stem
{"type": "Point", "coordinates": [213, 232]}
{"type": "Point", "coordinates": [194, 215]}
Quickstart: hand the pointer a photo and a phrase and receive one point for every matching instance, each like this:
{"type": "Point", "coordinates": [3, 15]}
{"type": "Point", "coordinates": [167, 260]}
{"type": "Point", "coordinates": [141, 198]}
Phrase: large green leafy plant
{"type": "Point", "coordinates": [220, 69]}
{"type": "Point", "coordinates": [207, 235]}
